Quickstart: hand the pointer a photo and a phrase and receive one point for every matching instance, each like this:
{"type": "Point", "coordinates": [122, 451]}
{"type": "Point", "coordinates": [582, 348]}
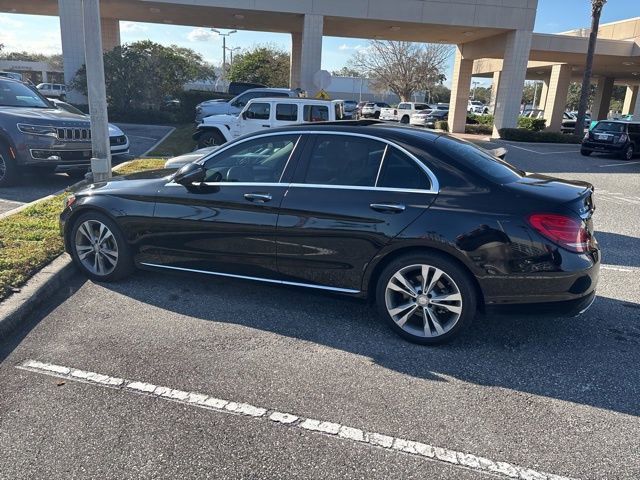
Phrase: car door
{"type": "Point", "coordinates": [257, 116]}
{"type": "Point", "coordinates": [227, 223]}
{"type": "Point", "coordinates": [350, 195]}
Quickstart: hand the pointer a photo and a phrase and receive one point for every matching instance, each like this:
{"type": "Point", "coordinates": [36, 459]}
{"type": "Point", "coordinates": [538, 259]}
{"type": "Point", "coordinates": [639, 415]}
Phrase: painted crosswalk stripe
{"type": "Point", "coordinates": [336, 430]}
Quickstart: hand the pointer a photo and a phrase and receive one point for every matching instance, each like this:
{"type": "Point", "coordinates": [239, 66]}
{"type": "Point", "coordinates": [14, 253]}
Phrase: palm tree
{"type": "Point", "coordinates": [596, 11]}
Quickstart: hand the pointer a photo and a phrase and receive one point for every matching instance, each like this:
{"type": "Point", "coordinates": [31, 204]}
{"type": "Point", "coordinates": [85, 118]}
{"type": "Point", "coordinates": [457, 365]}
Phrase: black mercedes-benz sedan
{"type": "Point", "coordinates": [430, 227]}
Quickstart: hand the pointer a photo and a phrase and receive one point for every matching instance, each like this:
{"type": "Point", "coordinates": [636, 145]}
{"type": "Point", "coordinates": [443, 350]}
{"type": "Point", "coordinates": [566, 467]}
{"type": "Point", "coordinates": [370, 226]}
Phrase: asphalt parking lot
{"type": "Point", "coordinates": [34, 186]}
{"type": "Point", "coordinates": [548, 395]}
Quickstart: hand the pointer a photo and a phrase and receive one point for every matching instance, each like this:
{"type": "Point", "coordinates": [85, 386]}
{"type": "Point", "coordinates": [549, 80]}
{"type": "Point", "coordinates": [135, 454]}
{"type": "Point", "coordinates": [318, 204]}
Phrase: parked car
{"type": "Point", "coordinates": [430, 227]}
{"type": "Point", "coordinates": [265, 113]}
{"type": "Point", "coordinates": [350, 109]}
{"type": "Point", "coordinates": [477, 107]}
{"type": "Point", "coordinates": [236, 104]}
{"type": "Point", "coordinates": [428, 118]}
{"type": "Point", "coordinates": [182, 160]}
{"type": "Point", "coordinates": [56, 90]}
{"type": "Point", "coordinates": [359, 109]}
{"type": "Point", "coordinates": [403, 112]}
{"type": "Point", "coordinates": [36, 135]}
{"type": "Point", "coordinates": [612, 136]}
{"type": "Point", "coordinates": [117, 139]}
{"type": "Point", "coordinates": [236, 88]}
{"type": "Point", "coordinates": [13, 75]}
{"type": "Point", "coordinates": [373, 109]}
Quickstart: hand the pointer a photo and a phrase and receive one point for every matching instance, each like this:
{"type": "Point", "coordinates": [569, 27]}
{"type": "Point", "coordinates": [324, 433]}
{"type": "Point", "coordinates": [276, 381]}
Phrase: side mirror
{"type": "Point", "coordinates": [189, 174]}
{"type": "Point", "coordinates": [244, 115]}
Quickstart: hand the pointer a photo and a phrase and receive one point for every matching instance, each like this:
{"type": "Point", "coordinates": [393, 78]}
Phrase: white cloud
{"type": "Point", "coordinates": [7, 21]}
{"type": "Point", "coordinates": [132, 27]}
{"type": "Point", "coordinates": [201, 35]}
{"type": "Point", "coordinates": [47, 42]}
{"type": "Point", "coordinates": [358, 47]}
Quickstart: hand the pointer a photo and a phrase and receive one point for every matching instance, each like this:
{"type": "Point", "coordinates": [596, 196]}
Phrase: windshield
{"type": "Point", "coordinates": [610, 127]}
{"type": "Point", "coordinates": [480, 160]}
{"type": "Point", "coordinates": [14, 94]}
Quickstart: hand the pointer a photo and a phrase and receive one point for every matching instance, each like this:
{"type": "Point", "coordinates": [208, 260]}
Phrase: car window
{"type": "Point", "coordinates": [400, 171]}
{"type": "Point", "coordinates": [404, 106]}
{"type": "Point", "coordinates": [421, 106]}
{"type": "Point", "coordinates": [260, 160]}
{"type": "Point", "coordinates": [634, 128]}
{"type": "Point", "coordinates": [287, 112]}
{"type": "Point", "coordinates": [479, 160]}
{"type": "Point", "coordinates": [316, 113]}
{"type": "Point", "coordinates": [56, 87]}
{"type": "Point", "coordinates": [344, 160]}
{"type": "Point", "coordinates": [13, 94]}
{"type": "Point", "coordinates": [609, 127]}
{"type": "Point", "coordinates": [258, 111]}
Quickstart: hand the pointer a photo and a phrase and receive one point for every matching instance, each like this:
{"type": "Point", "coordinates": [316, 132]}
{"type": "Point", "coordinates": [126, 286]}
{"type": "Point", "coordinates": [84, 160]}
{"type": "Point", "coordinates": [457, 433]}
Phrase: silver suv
{"type": "Point", "coordinates": [36, 134]}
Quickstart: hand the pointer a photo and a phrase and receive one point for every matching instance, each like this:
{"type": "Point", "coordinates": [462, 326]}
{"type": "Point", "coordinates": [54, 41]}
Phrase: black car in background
{"type": "Point", "coordinates": [609, 136]}
{"type": "Point", "coordinates": [430, 227]}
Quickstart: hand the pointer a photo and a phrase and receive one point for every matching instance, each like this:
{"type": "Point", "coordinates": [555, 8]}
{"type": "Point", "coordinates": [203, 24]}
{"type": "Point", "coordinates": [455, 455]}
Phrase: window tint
{"type": "Point", "coordinates": [258, 111]}
{"type": "Point", "coordinates": [344, 160]}
{"type": "Point", "coordinates": [400, 171]}
{"type": "Point", "coordinates": [287, 112]}
{"type": "Point", "coordinates": [479, 160]}
{"type": "Point", "coordinates": [609, 127]}
{"type": "Point", "coordinates": [316, 113]}
{"type": "Point", "coordinates": [260, 160]}
{"type": "Point", "coordinates": [634, 128]}
{"type": "Point", "coordinates": [14, 94]}
{"type": "Point", "coordinates": [404, 106]}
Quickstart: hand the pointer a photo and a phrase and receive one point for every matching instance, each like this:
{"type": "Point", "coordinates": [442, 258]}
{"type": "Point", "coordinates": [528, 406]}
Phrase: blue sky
{"type": "Point", "coordinates": [42, 34]}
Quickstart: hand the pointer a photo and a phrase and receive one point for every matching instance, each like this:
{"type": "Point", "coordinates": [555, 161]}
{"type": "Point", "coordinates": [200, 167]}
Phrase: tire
{"type": "Point", "coordinates": [376, 115]}
{"type": "Point", "coordinates": [404, 120]}
{"type": "Point", "coordinates": [78, 174]}
{"type": "Point", "coordinates": [628, 153]}
{"type": "Point", "coordinates": [9, 171]}
{"type": "Point", "coordinates": [209, 138]}
{"type": "Point", "coordinates": [585, 153]}
{"type": "Point", "coordinates": [83, 252]}
{"type": "Point", "coordinates": [445, 321]}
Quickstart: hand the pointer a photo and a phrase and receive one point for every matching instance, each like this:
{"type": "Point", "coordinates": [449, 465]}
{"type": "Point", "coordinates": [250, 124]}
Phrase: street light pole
{"type": "Point", "coordinates": [475, 85]}
{"type": "Point", "coordinates": [224, 47]}
{"type": "Point", "coordinates": [231, 50]}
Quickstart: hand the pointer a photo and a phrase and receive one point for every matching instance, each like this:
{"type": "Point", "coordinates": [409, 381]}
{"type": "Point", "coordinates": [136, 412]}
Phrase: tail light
{"type": "Point", "coordinates": [567, 232]}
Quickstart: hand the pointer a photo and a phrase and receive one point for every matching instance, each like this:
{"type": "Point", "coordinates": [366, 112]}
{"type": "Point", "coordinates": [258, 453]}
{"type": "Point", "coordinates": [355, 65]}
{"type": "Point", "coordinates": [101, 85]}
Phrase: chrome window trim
{"type": "Point", "coordinates": [384, 155]}
{"type": "Point", "coordinates": [435, 185]}
{"type": "Point", "coordinates": [258, 279]}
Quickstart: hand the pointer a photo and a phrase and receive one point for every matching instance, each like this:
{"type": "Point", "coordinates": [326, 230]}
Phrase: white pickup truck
{"type": "Point", "coordinates": [264, 113]}
{"type": "Point", "coordinates": [402, 113]}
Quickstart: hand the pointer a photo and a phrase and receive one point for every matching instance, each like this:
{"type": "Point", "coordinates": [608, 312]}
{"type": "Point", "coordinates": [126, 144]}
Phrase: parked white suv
{"type": "Point", "coordinates": [403, 113]}
{"type": "Point", "coordinates": [477, 107]}
{"type": "Point", "coordinates": [265, 113]}
{"type": "Point", "coordinates": [236, 104]}
{"type": "Point", "coordinates": [56, 90]}
{"type": "Point", "coordinates": [373, 109]}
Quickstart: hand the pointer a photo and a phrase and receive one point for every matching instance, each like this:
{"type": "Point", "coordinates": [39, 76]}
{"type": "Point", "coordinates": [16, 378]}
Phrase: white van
{"type": "Point", "coordinates": [56, 90]}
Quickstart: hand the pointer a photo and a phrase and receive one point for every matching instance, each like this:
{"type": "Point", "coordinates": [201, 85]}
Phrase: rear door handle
{"type": "Point", "coordinates": [266, 126]}
{"type": "Point", "coordinates": [258, 197]}
{"type": "Point", "coordinates": [388, 207]}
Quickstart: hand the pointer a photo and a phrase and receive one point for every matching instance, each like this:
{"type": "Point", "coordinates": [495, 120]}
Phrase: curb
{"type": "Point", "coordinates": [38, 289]}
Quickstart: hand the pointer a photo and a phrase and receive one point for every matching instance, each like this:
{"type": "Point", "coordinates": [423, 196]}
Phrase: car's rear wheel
{"type": "Point", "coordinates": [585, 153]}
{"type": "Point", "coordinates": [627, 153]}
{"type": "Point", "coordinates": [376, 115]}
{"type": "Point", "coordinates": [209, 138]}
{"type": "Point", "coordinates": [99, 248]}
{"type": "Point", "coordinates": [404, 119]}
{"type": "Point", "coordinates": [426, 298]}
{"type": "Point", "coordinates": [8, 168]}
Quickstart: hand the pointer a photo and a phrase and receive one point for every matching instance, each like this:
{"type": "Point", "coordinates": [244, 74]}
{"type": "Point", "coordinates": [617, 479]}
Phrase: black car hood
{"type": "Point", "coordinates": [140, 182]}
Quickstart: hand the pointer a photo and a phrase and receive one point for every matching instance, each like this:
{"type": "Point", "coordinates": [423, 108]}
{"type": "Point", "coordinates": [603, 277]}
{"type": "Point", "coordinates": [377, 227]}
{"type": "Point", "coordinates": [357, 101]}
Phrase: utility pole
{"type": "Point", "coordinates": [100, 147]}
{"type": "Point", "coordinates": [475, 85]}
{"type": "Point", "coordinates": [224, 48]}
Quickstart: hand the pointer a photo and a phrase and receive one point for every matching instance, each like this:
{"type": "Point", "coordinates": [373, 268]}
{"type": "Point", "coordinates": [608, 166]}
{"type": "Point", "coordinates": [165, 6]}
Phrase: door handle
{"type": "Point", "coordinates": [258, 197]}
{"type": "Point", "coordinates": [266, 126]}
{"type": "Point", "coordinates": [388, 207]}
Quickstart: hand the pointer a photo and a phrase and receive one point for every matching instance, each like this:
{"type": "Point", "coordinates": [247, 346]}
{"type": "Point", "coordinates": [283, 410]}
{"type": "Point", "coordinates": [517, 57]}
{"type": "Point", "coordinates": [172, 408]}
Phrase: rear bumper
{"type": "Point", "coordinates": [603, 147]}
{"type": "Point", "coordinates": [565, 309]}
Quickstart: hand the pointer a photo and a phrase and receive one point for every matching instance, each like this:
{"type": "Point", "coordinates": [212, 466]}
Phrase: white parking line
{"type": "Point", "coordinates": [200, 400]}
{"type": "Point", "coordinates": [542, 153]}
{"type": "Point", "coordinates": [617, 164]}
{"type": "Point", "coordinates": [615, 268]}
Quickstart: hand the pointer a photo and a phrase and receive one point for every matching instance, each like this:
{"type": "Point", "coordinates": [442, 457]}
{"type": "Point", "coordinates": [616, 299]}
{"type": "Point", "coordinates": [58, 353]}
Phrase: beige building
{"type": "Point", "coordinates": [493, 37]}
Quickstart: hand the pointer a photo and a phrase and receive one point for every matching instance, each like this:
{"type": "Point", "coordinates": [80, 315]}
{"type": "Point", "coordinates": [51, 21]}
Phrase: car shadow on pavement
{"type": "Point", "coordinates": [590, 360]}
{"type": "Point", "coordinates": [619, 249]}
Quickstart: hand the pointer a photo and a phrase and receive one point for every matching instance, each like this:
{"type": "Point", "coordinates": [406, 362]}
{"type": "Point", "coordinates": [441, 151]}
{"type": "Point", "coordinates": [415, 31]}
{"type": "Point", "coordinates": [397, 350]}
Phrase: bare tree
{"type": "Point", "coordinates": [402, 67]}
{"type": "Point", "coordinates": [596, 11]}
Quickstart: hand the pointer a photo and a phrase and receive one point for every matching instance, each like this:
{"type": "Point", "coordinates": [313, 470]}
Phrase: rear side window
{"type": "Point", "coordinates": [634, 128]}
{"type": "Point", "coordinates": [344, 160]}
{"type": "Point", "coordinates": [404, 106]}
{"type": "Point", "coordinates": [609, 127]}
{"type": "Point", "coordinates": [400, 171]}
{"type": "Point", "coordinates": [287, 112]}
{"type": "Point", "coordinates": [479, 160]}
{"type": "Point", "coordinates": [316, 113]}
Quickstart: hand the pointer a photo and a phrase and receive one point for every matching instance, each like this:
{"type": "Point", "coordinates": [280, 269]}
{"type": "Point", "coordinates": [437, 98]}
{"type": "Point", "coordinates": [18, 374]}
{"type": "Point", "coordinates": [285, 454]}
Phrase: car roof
{"type": "Point", "coordinates": [292, 100]}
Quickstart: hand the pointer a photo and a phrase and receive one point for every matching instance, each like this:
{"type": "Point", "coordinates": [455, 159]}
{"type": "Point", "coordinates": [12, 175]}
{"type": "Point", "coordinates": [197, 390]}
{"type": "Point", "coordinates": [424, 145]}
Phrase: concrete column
{"type": "Point", "coordinates": [72, 35]}
{"type": "Point", "coordinates": [514, 71]}
{"type": "Point", "coordinates": [494, 92]}
{"type": "Point", "coordinates": [311, 55]}
{"type": "Point", "coordinates": [544, 93]}
{"type": "Point", "coordinates": [296, 60]}
{"type": "Point", "coordinates": [557, 96]}
{"type": "Point", "coordinates": [636, 107]}
{"type": "Point", "coordinates": [630, 99]}
{"type": "Point", "coordinates": [110, 28]}
{"type": "Point", "coordinates": [460, 86]}
{"type": "Point", "coordinates": [602, 101]}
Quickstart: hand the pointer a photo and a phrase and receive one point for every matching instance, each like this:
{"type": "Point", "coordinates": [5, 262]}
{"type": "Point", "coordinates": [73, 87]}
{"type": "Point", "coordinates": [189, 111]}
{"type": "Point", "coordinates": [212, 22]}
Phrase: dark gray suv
{"type": "Point", "coordinates": [35, 134]}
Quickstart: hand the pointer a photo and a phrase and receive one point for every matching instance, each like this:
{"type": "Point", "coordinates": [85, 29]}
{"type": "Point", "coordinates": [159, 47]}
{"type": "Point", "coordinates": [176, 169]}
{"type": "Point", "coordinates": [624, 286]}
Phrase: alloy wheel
{"type": "Point", "coordinates": [96, 247]}
{"type": "Point", "coordinates": [629, 153]}
{"type": "Point", "coordinates": [3, 168]}
{"type": "Point", "coordinates": [423, 300]}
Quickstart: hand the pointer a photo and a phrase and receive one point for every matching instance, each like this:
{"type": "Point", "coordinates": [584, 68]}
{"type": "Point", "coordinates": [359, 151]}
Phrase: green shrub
{"type": "Point", "coordinates": [483, 119]}
{"type": "Point", "coordinates": [522, 135]}
{"type": "Point", "coordinates": [532, 124]}
{"type": "Point", "coordinates": [442, 125]}
{"type": "Point", "coordinates": [479, 129]}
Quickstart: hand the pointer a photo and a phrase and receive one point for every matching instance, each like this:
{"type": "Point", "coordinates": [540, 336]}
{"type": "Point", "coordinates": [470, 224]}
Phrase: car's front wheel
{"type": "Point", "coordinates": [99, 248]}
{"type": "Point", "coordinates": [585, 153]}
{"type": "Point", "coordinates": [426, 298]}
{"type": "Point", "coordinates": [8, 168]}
{"type": "Point", "coordinates": [209, 138]}
{"type": "Point", "coordinates": [628, 152]}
